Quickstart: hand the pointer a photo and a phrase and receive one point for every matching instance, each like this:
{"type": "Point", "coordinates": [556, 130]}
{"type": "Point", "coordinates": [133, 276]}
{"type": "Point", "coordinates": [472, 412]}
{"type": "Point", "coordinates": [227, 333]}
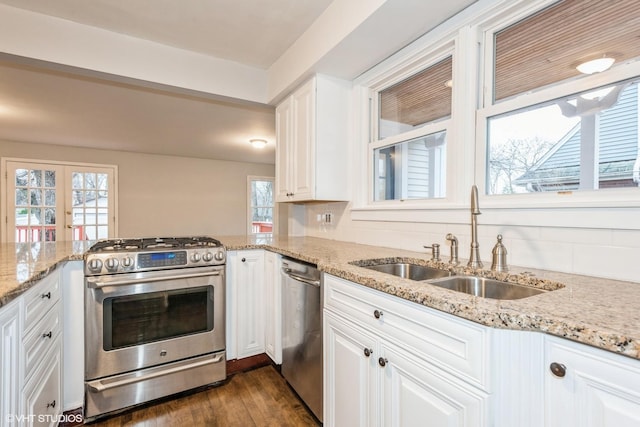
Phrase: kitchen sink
{"type": "Point", "coordinates": [410, 271]}
{"type": "Point", "coordinates": [486, 288]}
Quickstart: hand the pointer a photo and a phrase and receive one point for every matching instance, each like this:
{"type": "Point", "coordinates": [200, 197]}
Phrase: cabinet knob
{"type": "Point", "coordinates": [47, 335]}
{"type": "Point", "coordinates": [47, 295]}
{"type": "Point", "coordinates": [51, 405]}
{"type": "Point", "coordinates": [377, 314]}
{"type": "Point", "coordinates": [243, 260]}
{"type": "Point", "coordinates": [382, 362]}
{"type": "Point", "coordinates": [368, 352]}
{"type": "Point", "coordinates": [558, 369]}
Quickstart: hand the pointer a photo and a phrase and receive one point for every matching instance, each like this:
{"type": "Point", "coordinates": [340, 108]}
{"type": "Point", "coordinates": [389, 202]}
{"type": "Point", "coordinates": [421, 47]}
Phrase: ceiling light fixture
{"type": "Point", "coordinates": [258, 143]}
{"type": "Point", "coordinates": [595, 65]}
{"type": "Point", "coordinates": [448, 83]}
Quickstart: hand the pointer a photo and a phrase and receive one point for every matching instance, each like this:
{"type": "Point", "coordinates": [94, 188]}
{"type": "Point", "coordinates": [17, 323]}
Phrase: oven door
{"type": "Point", "coordinates": [138, 320]}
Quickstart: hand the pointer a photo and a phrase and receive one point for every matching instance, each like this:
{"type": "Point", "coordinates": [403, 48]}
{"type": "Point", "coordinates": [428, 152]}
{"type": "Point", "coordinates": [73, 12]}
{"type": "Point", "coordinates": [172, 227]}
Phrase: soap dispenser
{"type": "Point", "coordinates": [499, 256]}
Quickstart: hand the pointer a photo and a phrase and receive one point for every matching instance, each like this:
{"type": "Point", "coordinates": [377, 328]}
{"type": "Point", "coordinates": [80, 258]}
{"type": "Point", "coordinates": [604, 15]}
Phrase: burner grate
{"type": "Point", "coordinates": [158, 243]}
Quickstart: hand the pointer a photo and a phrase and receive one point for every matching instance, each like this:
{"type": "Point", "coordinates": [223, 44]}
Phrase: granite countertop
{"type": "Point", "coordinates": [599, 312]}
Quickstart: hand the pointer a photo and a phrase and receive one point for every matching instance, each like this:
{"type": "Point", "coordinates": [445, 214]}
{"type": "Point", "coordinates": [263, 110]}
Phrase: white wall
{"type": "Point", "coordinates": [162, 195]}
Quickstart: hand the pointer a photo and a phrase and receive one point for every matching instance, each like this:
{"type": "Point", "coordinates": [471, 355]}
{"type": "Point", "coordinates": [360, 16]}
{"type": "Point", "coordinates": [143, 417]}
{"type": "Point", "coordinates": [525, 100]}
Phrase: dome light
{"type": "Point", "coordinates": [595, 65]}
{"type": "Point", "coordinates": [258, 143]}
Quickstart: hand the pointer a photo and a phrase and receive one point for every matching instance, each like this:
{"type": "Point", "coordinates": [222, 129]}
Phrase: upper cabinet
{"type": "Point", "coordinates": [311, 150]}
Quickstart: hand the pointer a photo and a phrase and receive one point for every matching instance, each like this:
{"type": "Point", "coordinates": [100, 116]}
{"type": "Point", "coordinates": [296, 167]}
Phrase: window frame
{"type": "Point", "coordinates": [413, 62]}
{"type": "Point", "coordinates": [65, 169]}
{"type": "Point", "coordinates": [598, 198]}
{"type": "Point", "coordinates": [250, 207]}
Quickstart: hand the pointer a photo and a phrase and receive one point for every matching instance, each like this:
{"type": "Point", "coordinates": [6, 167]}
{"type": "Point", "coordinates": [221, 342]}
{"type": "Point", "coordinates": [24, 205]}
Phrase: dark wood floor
{"type": "Point", "coordinates": [259, 397]}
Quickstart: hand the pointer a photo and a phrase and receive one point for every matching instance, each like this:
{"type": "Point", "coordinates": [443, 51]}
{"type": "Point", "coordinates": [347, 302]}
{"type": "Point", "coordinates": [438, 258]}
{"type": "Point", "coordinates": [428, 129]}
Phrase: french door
{"type": "Point", "coordinates": [48, 201]}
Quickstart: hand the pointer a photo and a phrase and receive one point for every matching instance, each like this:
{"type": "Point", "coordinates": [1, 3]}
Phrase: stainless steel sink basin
{"type": "Point", "coordinates": [410, 271]}
{"type": "Point", "coordinates": [486, 288]}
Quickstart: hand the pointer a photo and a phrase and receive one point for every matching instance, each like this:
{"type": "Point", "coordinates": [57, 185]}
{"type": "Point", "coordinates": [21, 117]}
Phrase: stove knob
{"type": "Point", "coordinates": [207, 257]}
{"type": "Point", "coordinates": [219, 256]}
{"type": "Point", "coordinates": [195, 257]}
{"type": "Point", "coordinates": [95, 265]}
{"type": "Point", "coordinates": [111, 264]}
{"type": "Point", "coordinates": [127, 262]}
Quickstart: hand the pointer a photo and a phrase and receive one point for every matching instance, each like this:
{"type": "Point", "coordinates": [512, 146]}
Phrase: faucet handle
{"type": "Point", "coordinates": [435, 251]}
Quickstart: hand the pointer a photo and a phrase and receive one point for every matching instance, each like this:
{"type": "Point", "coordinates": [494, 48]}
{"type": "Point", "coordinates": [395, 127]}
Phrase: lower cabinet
{"type": "Point", "coordinates": [42, 394]}
{"type": "Point", "coordinates": [273, 306]}
{"type": "Point", "coordinates": [10, 362]}
{"type": "Point", "coordinates": [589, 387]}
{"type": "Point", "coordinates": [373, 377]}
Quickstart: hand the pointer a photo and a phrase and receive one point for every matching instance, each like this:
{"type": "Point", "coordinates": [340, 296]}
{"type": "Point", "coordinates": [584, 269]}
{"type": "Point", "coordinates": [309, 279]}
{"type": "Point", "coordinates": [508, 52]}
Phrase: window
{"type": "Point", "coordinates": [409, 153]}
{"type": "Point", "coordinates": [49, 201]}
{"type": "Point", "coordinates": [551, 127]}
{"type": "Point", "coordinates": [261, 205]}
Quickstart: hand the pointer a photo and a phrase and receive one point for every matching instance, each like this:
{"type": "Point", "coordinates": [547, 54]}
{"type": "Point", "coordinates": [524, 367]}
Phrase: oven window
{"type": "Point", "coordinates": [155, 316]}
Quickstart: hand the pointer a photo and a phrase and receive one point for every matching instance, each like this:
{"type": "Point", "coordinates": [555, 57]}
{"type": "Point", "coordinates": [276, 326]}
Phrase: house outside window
{"type": "Point", "coordinates": [261, 206]}
{"type": "Point", "coordinates": [550, 127]}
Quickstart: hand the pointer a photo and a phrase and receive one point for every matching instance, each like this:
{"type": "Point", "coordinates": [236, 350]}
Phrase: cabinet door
{"type": "Point", "coordinates": [589, 387]}
{"type": "Point", "coordinates": [42, 395]}
{"type": "Point", "coordinates": [418, 394]}
{"type": "Point", "coordinates": [304, 130]}
{"type": "Point", "coordinates": [350, 388]}
{"type": "Point", "coordinates": [284, 147]}
{"type": "Point", "coordinates": [10, 355]}
{"type": "Point", "coordinates": [273, 306]}
{"type": "Point", "coordinates": [250, 318]}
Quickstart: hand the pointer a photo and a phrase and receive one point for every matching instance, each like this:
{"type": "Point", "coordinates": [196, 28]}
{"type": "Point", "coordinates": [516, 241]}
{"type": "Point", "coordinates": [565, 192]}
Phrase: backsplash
{"type": "Point", "coordinates": [612, 254]}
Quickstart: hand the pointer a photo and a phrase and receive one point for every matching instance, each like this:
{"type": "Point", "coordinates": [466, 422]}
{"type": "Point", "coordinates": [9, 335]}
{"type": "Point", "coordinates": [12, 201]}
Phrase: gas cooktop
{"type": "Point", "coordinates": [154, 243]}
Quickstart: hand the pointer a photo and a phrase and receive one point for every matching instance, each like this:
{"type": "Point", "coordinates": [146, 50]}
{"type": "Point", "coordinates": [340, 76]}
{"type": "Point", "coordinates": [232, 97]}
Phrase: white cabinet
{"type": "Point", "coordinates": [42, 352]}
{"type": "Point", "coordinates": [10, 361]}
{"type": "Point", "coordinates": [389, 362]}
{"type": "Point", "coordinates": [312, 134]}
{"type": "Point", "coordinates": [589, 387]}
{"type": "Point", "coordinates": [245, 304]}
{"type": "Point", "coordinates": [273, 306]}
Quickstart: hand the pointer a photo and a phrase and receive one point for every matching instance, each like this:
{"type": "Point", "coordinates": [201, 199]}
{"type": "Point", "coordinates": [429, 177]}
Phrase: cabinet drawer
{"type": "Point", "coordinates": [43, 394]}
{"type": "Point", "coordinates": [39, 299]}
{"type": "Point", "coordinates": [40, 339]}
{"type": "Point", "coordinates": [455, 345]}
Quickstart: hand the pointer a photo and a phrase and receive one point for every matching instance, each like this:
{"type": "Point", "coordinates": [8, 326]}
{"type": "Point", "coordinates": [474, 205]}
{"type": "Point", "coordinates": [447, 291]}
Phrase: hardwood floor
{"type": "Point", "coordinates": [259, 397]}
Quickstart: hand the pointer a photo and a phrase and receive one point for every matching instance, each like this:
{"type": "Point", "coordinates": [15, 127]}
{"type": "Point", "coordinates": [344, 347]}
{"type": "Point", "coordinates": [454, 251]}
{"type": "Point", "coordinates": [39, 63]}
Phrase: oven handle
{"type": "Point", "coordinates": [98, 386]}
{"type": "Point", "coordinates": [93, 284]}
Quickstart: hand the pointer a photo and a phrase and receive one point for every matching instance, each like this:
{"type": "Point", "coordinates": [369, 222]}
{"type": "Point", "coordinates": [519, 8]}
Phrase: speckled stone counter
{"type": "Point", "coordinates": [23, 264]}
{"type": "Point", "coordinates": [599, 312]}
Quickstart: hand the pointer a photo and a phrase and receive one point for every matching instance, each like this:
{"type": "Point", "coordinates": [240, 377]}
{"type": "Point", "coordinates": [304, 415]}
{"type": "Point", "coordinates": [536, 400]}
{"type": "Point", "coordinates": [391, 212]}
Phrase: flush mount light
{"type": "Point", "coordinates": [448, 83]}
{"type": "Point", "coordinates": [595, 65]}
{"type": "Point", "coordinates": [258, 143]}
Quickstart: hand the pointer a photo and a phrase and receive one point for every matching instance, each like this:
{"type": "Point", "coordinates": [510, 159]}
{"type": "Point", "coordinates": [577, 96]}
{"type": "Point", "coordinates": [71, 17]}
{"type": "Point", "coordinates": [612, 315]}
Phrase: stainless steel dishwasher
{"type": "Point", "coordinates": [302, 332]}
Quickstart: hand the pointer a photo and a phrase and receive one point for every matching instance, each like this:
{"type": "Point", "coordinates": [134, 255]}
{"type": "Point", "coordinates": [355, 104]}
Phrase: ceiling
{"type": "Point", "coordinates": [52, 104]}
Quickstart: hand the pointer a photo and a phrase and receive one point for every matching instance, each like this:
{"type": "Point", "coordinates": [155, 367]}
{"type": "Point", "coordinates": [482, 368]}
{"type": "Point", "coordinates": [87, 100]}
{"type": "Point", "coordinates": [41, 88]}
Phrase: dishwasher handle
{"type": "Point", "coordinates": [289, 272]}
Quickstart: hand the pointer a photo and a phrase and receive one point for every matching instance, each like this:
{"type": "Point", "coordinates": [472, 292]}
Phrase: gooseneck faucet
{"type": "Point", "coordinates": [474, 257]}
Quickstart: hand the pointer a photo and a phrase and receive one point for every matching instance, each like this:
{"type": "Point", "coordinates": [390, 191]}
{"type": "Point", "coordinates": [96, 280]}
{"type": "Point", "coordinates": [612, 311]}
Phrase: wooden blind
{"type": "Point", "coordinates": [545, 48]}
{"type": "Point", "coordinates": [421, 98]}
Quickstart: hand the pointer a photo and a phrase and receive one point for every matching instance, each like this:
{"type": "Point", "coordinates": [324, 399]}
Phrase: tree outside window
{"type": "Point", "coordinates": [261, 205]}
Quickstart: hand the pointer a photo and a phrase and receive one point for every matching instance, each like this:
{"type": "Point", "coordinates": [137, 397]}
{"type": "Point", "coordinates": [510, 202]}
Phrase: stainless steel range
{"type": "Point", "coordinates": [154, 319]}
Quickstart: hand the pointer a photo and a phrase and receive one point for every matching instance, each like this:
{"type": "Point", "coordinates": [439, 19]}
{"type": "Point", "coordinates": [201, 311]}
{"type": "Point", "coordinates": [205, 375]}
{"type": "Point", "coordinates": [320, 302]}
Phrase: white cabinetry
{"type": "Point", "coordinates": [10, 361]}
{"type": "Point", "coordinates": [273, 306]}
{"type": "Point", "coordinates": [245, 304]}
{"type": "Point", "coordinates": [588, 387]}
{"type": "Point", "coordinates": [42, 353]}
{"type": "Point", "coordinates": [389, 362]}
{"type": "Point", "coordinates": [312, 134]}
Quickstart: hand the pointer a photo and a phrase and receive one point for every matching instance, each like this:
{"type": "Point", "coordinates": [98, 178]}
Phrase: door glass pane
{"type": "Point", "coordinates": [90, 205]}
{"type": "Point", "coordinates": [35, 212]}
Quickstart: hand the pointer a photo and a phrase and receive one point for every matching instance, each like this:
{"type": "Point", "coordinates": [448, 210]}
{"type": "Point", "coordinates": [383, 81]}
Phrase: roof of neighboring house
{"type": "Point", "coordinates": [618, 147]}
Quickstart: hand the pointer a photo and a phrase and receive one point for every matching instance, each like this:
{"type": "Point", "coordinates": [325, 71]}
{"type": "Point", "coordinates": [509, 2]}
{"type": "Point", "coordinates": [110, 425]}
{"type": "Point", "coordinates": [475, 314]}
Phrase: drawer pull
{"type": "Point", "coordinates": [377, 314]}
{"type": "Point", "coordinates": [47, 295]}
{"type": "Point", "coordinates": [368, 352]}
{"type": "Point", "coordinates": [382, 362]}
{"type": "Point", "coordinates": [47, 335]}
{"type": "Point", "coordinates": [558, 369]}
{"type": "Point", "coordinates": [51, 405]}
